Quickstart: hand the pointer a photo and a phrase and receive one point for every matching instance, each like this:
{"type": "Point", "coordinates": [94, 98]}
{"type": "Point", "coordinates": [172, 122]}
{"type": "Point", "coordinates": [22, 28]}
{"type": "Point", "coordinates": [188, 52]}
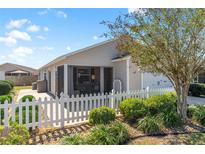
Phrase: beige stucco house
{"type": "Point", "coordinates": [98, 68]}
{"type": "Point", "coordinates": [20, 75]}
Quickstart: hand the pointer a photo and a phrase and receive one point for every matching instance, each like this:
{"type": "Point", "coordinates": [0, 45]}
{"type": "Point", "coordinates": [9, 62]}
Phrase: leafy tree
{"type": "Point", "coordinates": [166, 41]}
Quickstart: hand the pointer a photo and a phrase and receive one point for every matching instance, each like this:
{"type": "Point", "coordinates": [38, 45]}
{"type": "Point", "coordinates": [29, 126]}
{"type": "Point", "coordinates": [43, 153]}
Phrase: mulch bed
{"type": "Point", "coordinates": [53, 135]}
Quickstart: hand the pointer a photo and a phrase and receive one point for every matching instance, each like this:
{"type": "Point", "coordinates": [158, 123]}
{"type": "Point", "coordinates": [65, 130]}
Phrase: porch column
{"type": "Point", "coordinates": [128, 74]}
{"type": "Point", "coordinates": [65, 78]}
{"type": "Point", "coordinates": [101, 79]}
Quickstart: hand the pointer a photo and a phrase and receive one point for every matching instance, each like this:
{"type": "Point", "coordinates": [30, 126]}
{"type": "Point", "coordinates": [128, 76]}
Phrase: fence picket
{"type": "Point", "coordinates": [77, 103]}
{"type": "Point", "coordinates": [33, 114]}
{"type": "Point", "coordinates": [82, 107]}
{"type": "Point", "coordinates": [39, 113]}
{"type": "Point", "coordinates": [51, 111]}
{"type": "Point", "coordinates": [57, 117]}
{"type": "Point", "coordinates": [20, 112]}
{"type": "Point", "coordinates": [6, 114]}
{"type": "Point", "coordinates": [86, 106]}
{"type": "Point", "coordinates": [68, 108]}
{"type": "Point", "coordinates": [62, 111]}
{"type": "Point", "coordinates": [27, 112]}
{"type": "Point", "coordinates": [13, 109]}
{"type": "Point", "coordinates": [45, 112]}
{"type": "Point", "coordinates": [72, 108]}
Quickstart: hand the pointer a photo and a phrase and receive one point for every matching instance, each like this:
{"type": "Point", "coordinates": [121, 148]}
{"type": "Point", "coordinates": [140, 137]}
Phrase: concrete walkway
{"type": "Point", "coordinates": [196, 100]}
{"type": "Point", "coordinates": [32, 92]}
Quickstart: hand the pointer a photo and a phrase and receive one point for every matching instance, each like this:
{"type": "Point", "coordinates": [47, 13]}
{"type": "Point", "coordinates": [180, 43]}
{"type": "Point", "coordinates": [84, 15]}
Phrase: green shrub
{"type": "Point", "coordinates": [17, 135]}
{"type": "Point", "coordinates": [29, 97]}
{"type": "Point", "coordinates": [161, 103]}
{"type": "Point", "coordinates": [191, 110]}
{"type": "Point", "coordinates": [113, 134]}
{"type": "Point", "coordinates": [197, 89]}
{"type": "Point", "coordinates": [74, 139]}
{"type": "Point", "coordinates": [11, 83]}
{"type": "Point", "coordinates": [5, 88]}
{"type": "Point", "coordinates": [102, 115]}
{"type": "Point", "coordinates": [132, 109]}
{"type": "Point", "coordinates": [151, 125]}
{"type": "Point", "coordinates": [171, 119]}
{"type": "Point", "coordinates": [197, 113]}
{"type": "Point", "coordinates": [3, 98]}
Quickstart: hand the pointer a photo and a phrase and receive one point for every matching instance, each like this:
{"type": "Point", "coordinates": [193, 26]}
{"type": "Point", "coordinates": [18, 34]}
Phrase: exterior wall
{"type": "Point", "coordinates": [22, 80]}
{"type": "Point", "coordinates": [2, 75]}
{"type": "Point", "coordinates": [155, 81]}
{"type": "Point", "coordinates": [134, 77]}
{"type": "Point", "coordinates": [98, 56]}
{"type": "Point", "coordinates": [120, 73]}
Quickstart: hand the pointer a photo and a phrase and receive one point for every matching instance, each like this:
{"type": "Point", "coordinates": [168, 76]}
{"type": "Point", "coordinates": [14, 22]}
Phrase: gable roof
{"type": "Point", "coordinates": [8, 67]}
{"type": "Point", "coordinates": [76, 52]}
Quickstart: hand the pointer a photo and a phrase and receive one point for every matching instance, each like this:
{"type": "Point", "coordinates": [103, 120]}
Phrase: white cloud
{"type": "Point", "coordinates": [95, 37]}
{"type": "Point", "coordinates": [46, 29]}
{"type": "Point", "coordinates": [22, 51]}
{"type": "Point", "coordinates": [43, 12]}
{"type": "Point", "coordinates": [17, 23]}
{"type": "Point", "coordinates": [40, 37]}
{"type": "Point", "coordinates": [20, 54]}
{"type": "Point", "coordinates": [61, 14]}
{"type": "Point", "coordinates": [15, 34]}
{"type": "Point", "coordinates": [136, 10]}
{"type": "Point", "coordinates": [9, 41]}
{"type": "Point", "coordinates": [68, 48]}
{"type": "Point", "coordinates": [33, 28]}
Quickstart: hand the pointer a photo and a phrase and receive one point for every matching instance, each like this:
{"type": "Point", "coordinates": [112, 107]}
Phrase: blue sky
{"type": "Point", "coordinates": [33, 37]}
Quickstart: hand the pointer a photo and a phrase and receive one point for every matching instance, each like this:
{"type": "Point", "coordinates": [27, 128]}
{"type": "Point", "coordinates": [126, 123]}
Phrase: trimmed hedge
{"type": "Point", "coordinates": [197, 89]}
{"type": "Point", "coordinates": [5, 88]}
{"type": "Point", "coordinates": [132, 109]}
{"type": "Point", "coordinates": [4, 98]}
{"type": "Point", "coordinates": [11, 83]}
{"type": "Point", "coordinates": [102, 115]}
{"type": "Point", "coordinates": [29, 97]}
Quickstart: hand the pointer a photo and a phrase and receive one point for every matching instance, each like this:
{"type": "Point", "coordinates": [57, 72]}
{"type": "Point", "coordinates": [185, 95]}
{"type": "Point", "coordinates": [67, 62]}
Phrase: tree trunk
{"type": "Point", "coordinates": [182, 92]}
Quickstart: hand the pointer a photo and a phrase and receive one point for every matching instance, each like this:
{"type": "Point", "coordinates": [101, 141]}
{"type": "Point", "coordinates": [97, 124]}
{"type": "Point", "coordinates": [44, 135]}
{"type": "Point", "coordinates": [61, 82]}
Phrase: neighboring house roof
{"type": "Point", "coordinates": [9, 67]}
{"type": "Point", "coordinates": [18, 72]}
{"type": "Point", "coordinates": [76, 52]}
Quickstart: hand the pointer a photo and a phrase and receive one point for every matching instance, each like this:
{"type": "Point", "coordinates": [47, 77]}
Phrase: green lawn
{"type": "Point", "coordinates": [17, 88]}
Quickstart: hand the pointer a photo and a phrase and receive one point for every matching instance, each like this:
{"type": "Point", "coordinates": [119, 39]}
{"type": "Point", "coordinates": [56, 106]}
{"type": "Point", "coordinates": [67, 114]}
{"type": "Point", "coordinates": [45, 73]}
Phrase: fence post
{"type": "Point", "coordinates": [147, 92]}
{"type": "Point", "coordinates": [6, 115]}
{"type": "Point", "coordinates": [112, 98]}
{"type": "Point", "coordinates": [62, 110]}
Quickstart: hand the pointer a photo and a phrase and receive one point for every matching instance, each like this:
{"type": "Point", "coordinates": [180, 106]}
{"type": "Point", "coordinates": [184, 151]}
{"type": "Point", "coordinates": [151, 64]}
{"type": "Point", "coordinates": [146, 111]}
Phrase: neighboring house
{"type": "Point", "coordinates": [20, 75]}
{"type": "Point", "coordinates": [95, 69]}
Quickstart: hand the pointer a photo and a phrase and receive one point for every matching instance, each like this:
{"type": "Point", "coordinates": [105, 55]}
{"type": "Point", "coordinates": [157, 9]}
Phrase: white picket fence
{"type": "Point", "coordinates": [66, 110]}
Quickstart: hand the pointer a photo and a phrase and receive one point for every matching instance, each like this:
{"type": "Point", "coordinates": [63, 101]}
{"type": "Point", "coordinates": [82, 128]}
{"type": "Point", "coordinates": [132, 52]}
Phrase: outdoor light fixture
{"type": "Point", "coordinates": [93, 77]}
